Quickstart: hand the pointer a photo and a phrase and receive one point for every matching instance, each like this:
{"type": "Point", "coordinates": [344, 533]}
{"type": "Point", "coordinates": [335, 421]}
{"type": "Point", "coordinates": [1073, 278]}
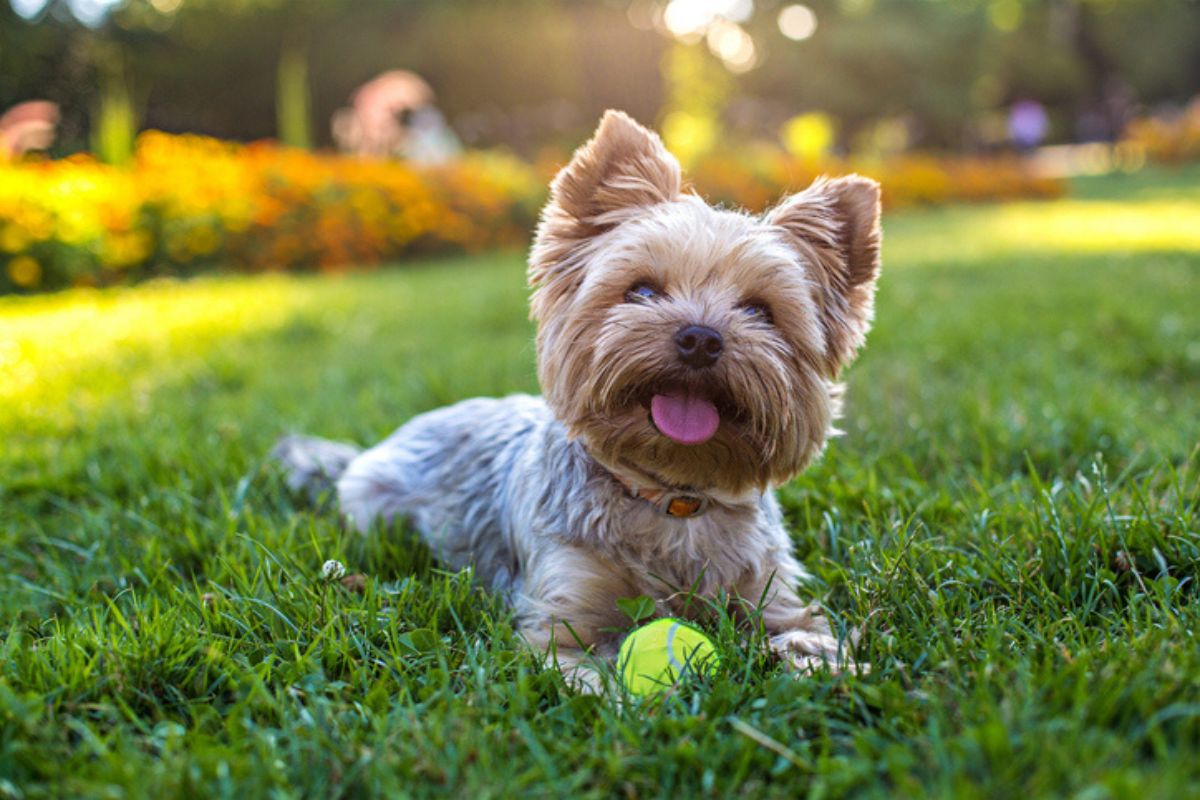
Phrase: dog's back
{"type": "Point", "coordinates": [447, 471]}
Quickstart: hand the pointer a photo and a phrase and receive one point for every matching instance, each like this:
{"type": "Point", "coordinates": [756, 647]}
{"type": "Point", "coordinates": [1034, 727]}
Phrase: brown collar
{"type": "Point", "coordinates": [669, 502]}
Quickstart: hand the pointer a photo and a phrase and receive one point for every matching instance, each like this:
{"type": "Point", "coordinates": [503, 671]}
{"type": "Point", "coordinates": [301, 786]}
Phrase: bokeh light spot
{"type": "Point", "coordinates": [1005, 15]}
{"type": "Point", "coordinates": [809, 137]}
{"type": "Point", "coordinates": [688, 17]}
{"type": "Point", "coordinates": [730, 42]}
{"type": "Point", "coordinates": [689, 134]}
{"type": "Point", "coordinates": [28, 9]}
{"type": "Point", "coordinates": [25, 272]}
{"type": "Point", "coordinates": [797, 22]}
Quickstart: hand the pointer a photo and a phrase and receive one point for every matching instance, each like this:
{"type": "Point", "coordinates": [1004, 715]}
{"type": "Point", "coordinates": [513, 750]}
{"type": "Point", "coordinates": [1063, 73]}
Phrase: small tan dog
{"type": "Point", "coordinates": [689, 359]}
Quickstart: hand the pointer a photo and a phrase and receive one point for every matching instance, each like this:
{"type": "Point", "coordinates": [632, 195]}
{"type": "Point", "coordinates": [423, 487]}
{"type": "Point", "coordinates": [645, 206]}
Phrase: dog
{"type": "Point", "coordinates": [689, 358]}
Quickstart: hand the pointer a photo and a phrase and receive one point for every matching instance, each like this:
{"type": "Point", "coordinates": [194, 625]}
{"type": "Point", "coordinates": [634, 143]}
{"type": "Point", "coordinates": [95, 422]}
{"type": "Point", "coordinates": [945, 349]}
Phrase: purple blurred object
{"type": "Point", "coordinates": [1027, 124]}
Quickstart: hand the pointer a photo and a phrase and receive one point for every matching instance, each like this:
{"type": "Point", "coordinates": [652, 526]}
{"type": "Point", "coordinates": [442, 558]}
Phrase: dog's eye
{"type": "Point", "coordinates": [757, 312]}
{"type": "Point", "coordinates": [641, 292]}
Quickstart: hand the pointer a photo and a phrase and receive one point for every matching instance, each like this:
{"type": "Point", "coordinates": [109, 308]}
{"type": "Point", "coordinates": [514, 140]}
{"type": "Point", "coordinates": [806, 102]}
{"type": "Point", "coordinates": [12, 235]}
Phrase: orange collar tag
{"type": "Point", "coordinates": [679, 505]}
{"type": "Point", "coordinates": [684, 505]}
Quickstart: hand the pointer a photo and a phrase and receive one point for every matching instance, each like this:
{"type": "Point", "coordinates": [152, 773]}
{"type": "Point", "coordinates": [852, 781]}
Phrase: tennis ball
{"type": "Point", "coordinates": [656, 655]}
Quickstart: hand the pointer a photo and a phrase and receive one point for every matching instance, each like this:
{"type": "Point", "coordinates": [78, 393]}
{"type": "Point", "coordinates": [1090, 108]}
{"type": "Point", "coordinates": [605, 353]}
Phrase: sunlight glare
{"type": "Point", "coordinates": [797, 22]}
{"type": "Point", "coordinates": [730, 42]}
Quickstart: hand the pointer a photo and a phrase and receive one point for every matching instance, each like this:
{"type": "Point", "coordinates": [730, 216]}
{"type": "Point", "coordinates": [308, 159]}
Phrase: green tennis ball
{"type": "Point", "coordinates": [655, 656]}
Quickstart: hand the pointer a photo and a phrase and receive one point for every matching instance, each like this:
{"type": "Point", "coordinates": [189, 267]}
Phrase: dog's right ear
{"type": "Point", "coordinates": [623, 168]}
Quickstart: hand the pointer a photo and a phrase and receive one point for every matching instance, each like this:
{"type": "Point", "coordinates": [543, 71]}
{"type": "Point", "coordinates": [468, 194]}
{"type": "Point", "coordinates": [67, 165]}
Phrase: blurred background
{"type": "Point", "coordinates": [146, 137]}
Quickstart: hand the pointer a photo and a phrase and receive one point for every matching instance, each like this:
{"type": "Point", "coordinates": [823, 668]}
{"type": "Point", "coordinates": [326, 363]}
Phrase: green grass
{"type": "Point", "coordinates": [1013, 519]}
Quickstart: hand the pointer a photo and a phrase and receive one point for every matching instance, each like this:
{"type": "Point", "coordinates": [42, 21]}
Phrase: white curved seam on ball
{"type": "Point", "coordinates": [671, 650]}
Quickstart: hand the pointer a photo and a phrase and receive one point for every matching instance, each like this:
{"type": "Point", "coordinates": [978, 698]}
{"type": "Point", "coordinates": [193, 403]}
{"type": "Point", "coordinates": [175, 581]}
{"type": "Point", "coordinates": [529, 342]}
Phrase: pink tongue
{"type": "Point", "coordinates": [685, 418]}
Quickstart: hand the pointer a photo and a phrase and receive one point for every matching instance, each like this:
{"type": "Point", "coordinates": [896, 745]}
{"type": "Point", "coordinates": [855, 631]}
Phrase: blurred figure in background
{"type": "Point", "coordinates": [27, 126]}
{"type": "Point", "coordinates": [393, 115]}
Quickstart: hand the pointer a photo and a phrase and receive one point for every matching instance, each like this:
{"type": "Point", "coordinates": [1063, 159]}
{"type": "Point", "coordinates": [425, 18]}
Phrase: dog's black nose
{"type": "Point", "coordinates": [698, 346]}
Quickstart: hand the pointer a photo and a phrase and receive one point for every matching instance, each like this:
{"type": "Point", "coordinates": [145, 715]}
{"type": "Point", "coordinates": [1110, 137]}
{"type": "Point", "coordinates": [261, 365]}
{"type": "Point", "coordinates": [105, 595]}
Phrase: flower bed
{"type": "Point", "coordinates": [1167, 138]}
{"type": "Point", "coordinates": [187, 204]}
{"type": "Point", "coordinates": [757, 179]}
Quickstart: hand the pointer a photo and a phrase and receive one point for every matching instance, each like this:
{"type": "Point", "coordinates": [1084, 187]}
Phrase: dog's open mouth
{"type": "Point", "coordinates": [684, 416]}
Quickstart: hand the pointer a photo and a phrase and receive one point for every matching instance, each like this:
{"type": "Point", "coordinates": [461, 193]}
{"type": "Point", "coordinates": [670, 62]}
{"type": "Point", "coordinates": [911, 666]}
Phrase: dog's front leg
{"type": "Point", "coordinates": [578, 665]}
{"type": "Point", "coordinates": [567, 608]}
{"type": "Point", "coordinates": [798, 631]}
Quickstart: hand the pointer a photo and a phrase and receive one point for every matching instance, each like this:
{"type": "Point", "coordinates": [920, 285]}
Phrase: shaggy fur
{"type": "Point", "coordinates": [546, 498]}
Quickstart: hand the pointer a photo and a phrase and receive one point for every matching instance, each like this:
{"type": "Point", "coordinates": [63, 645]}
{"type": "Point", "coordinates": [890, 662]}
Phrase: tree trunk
{"type": "Point", "coordinates": [115, 124]}
{"type": "Point", "coordinates": [293, 99]}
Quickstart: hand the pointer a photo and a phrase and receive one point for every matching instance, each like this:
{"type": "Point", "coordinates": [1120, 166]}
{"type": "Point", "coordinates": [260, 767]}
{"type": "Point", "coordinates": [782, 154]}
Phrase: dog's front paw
{"type": "Point", "coordinates": [808, 651]}
{"type": "Point", "coordinates": [582, 679]}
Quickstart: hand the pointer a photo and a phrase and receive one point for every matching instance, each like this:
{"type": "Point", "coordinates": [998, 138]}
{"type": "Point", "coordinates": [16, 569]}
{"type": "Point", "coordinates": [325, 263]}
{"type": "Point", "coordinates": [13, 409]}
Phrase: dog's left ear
{"type": "Point", "coordinates": [834, 224]}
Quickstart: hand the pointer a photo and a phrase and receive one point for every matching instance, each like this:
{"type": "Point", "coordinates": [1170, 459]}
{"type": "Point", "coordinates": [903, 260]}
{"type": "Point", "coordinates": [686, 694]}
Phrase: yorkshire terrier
{"type": "Point", "coordinates": [689, 357]}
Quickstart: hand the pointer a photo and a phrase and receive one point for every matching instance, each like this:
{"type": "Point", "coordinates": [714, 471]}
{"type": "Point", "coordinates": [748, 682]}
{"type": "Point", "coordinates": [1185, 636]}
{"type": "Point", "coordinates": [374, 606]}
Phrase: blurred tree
{"type": "Point", "coordinates": [293, 98]}
{"type": "Point", "coordinates": [527, 72]}
{"type": "Point", "coordinates": [942, 64]}
{"type": "Point", "coordinates": [115, 121]}
{"type": "Point", "coordinates": [287, 26]}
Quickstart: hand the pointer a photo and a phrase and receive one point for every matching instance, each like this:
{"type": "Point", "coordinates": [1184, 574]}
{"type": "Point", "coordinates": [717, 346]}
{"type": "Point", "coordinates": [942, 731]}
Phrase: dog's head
{"type": "Point", "coordinates": [696, 345]}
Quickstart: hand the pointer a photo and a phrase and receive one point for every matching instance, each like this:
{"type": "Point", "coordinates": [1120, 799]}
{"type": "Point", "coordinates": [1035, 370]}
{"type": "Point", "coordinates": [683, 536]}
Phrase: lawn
{"type": "Point", "coordinates": [1012, 519]}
